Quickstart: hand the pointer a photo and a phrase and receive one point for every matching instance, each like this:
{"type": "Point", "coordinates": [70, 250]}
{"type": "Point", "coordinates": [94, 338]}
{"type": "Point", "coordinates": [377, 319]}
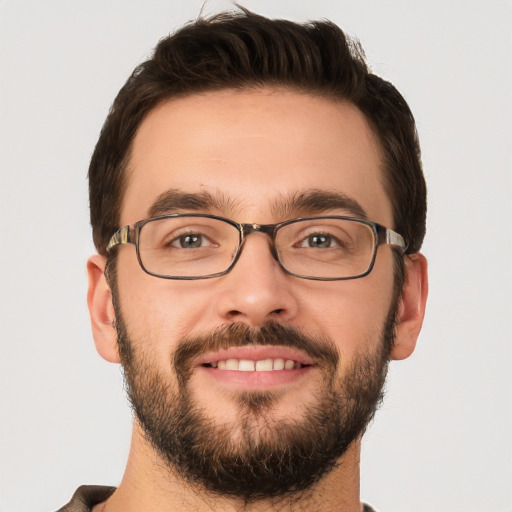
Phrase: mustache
{"type": "Point", "coordinates": [322, 350]}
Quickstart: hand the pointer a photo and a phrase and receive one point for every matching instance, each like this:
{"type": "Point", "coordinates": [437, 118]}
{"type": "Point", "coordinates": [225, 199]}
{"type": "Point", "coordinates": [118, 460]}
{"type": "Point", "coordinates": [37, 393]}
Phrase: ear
{"type": "Point", "coordinates": [412, 307]}
{"type": "Point", "coordinates": [101, 310]}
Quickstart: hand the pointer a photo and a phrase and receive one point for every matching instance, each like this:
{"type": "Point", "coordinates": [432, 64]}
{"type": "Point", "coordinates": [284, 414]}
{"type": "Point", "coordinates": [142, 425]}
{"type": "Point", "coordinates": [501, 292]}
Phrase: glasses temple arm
{"type": "Point", "coordinates": [121, 236]}
{"type": "Point", "coordinates": [388, 236]}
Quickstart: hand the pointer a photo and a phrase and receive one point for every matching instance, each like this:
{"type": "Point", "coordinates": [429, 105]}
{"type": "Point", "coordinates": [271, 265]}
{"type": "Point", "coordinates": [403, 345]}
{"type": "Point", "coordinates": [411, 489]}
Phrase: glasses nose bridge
{"type": "Point", "coordinates": [268, 229]}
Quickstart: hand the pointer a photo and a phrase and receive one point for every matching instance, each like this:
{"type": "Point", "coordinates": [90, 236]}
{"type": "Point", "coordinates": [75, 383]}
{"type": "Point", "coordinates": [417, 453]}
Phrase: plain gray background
{"type": "Point", "coordinates": [442, 440]}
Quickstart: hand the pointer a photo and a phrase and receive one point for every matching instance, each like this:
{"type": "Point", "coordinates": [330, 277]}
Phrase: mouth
{"type": "Point", "coordinates": [255, 367]}
{"type": "Point", "coordinates": [261, 365]}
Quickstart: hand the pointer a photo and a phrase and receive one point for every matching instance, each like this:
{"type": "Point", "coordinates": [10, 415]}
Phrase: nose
{"type": "Point", "coordinates": [257, 289]}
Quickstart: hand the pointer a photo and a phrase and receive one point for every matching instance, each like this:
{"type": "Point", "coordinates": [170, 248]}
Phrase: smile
{"type": "Point", "coordinates": [255, 367]}
{"type": "Point", "coordinates": [249, 365]}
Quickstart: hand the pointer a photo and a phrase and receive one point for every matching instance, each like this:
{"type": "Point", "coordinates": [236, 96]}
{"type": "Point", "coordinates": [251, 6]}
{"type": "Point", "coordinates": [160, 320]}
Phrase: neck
{"type": "Point", "coordinates": [148, 485]}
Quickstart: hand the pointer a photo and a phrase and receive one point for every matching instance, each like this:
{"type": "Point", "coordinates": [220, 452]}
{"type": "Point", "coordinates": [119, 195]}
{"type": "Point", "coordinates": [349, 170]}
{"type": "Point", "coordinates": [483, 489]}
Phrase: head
{"type": "Point", "coordinates": [260, 121]}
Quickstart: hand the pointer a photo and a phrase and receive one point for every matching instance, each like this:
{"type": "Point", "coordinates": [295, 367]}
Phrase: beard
{"type": "Point", "coordinates": [258, 457]}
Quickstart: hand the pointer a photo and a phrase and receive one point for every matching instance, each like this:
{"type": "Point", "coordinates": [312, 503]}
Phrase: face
{"type": "Point", "coordinates": [254, 156]}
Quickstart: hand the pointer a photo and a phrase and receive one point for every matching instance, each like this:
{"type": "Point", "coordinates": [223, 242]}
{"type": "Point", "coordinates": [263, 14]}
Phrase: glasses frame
{"type": "Point", "coordinates": [130, 234]}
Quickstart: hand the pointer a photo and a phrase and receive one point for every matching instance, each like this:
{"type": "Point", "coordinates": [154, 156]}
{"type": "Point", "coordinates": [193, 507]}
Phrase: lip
{"type": "Point", "coordinates": [256, 353]}
{"type": "Point", "coordinates": [255, 380]}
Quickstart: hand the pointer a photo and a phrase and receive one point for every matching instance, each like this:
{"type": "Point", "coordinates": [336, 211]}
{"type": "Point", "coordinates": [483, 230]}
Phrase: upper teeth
{"type": "Point", "coordinates": [264, 365]}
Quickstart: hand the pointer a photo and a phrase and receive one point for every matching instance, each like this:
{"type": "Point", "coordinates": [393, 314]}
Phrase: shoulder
{"type": "Point", "coordinates": [86, 496]}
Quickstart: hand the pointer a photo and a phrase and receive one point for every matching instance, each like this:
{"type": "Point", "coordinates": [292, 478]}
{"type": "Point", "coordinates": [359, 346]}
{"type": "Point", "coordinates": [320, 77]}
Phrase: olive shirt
{"type": "Point", "coordinates": [87, 496]}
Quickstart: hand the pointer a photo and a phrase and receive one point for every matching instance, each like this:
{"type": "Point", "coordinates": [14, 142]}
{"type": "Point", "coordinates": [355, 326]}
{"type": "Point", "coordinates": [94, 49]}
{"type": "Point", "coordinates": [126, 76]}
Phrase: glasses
{"type": "Point", "coordinates": [196, 246]}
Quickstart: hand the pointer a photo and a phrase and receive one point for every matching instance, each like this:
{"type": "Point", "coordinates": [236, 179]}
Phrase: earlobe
{"type": "Point", "coordinates": [101, 310]}
{"type": "Point", "coordinates": [412, 307]}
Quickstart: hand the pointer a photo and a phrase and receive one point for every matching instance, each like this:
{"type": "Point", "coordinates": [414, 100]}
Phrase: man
{"type": "Point", "coordinates": [258, 205]}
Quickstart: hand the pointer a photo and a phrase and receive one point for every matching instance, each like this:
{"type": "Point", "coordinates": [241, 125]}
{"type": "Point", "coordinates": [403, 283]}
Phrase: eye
{"type": "Point", "coordinates": [190, 241]}
{"type": "Point", "coordinates": [319, 241]}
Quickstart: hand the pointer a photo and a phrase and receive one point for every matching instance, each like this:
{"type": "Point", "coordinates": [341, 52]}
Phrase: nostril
{"type": "Point", "coordinates": [235, 314]}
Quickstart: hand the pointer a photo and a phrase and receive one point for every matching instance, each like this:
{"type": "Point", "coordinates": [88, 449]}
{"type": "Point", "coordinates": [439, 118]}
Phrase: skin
{"type": "Point", "coordinates": [255, 147]}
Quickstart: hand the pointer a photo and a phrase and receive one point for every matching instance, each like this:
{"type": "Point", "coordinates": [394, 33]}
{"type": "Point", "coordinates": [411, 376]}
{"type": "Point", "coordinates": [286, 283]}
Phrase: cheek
{"type": "Point", "coordinates": [351, 313]}
{"type": "Point", "coordinates": [160, 310]}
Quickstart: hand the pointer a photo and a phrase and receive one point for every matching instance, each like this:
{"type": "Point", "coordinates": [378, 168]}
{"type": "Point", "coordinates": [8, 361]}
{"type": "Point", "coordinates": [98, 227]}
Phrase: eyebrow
{"type": "Point", "coordinates": [317, 202]}
{"type": "Point", "coordinates": [176, 201]}
{"type": "Point", "coordinates": [311, 202]}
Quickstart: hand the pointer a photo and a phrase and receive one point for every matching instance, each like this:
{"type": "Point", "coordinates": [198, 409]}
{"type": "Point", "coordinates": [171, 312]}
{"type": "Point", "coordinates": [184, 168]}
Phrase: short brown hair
{"type": "Point", "coordinates": [244, 50]}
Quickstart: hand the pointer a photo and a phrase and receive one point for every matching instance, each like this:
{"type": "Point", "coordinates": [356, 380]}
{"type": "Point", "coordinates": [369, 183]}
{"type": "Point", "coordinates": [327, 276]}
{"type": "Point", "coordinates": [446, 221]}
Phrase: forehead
{"type": "Point", "coordinates": [254, 149]}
